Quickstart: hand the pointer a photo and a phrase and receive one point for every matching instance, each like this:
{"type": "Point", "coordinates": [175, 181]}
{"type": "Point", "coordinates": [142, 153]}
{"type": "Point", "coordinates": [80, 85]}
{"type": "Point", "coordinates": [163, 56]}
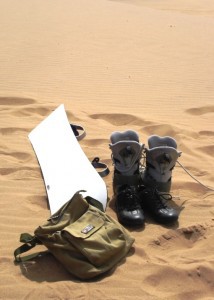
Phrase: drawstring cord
{"type": "Point", "coordinates": [207, 187]}
{"type": "Point", "coordinates": [142, 166]}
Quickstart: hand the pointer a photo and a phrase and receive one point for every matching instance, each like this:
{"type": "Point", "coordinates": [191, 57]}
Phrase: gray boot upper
{"type": "Point", "coordinates": [126, 151]}
{"type": "Point", "coordinates": [161, 158]}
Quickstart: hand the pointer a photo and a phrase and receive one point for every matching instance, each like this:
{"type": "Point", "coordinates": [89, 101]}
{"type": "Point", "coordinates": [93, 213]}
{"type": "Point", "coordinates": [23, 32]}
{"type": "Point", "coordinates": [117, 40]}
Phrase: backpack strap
{"type": "Point", "coordinates": [29, 242]}
{"type": "Point", "coordinates": [76, 128]}
{"type": "Point", "coordinates": [99, 165]}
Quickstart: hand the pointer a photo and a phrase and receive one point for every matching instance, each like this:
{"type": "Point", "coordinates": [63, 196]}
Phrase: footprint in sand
{"type": "Point", "coordinates": [95, 142]}
{"type": "Point", "coordinates": [206, 133]}
{"type": "Point", "coordinates": [29, 111]}
{"type": "Point", "coordinates": [182, 237]}
{"type": "Point", "coordinates": [36, 202]}
{"type": "Point", "coordinates": [120, 119]}
{"type": "Point", "coordinates": [27, 170]}
{"type": "Point", "coordinates": [186, 247]}
{"type": "Point", "coordinates": [162, 129]}
{"type": "Point", "coordinates": [198, 111]}
{"type": "Point", "coordinates": [20, 107]}
{"type": "Point", "coordinates": [21, 156]}
{"type": "Point", "coordinates": [13, 130]}
{"type": "Point", "coordinates": [147, 127]}
{"type": "Point", "coordinates": [209, 150]}
{"type": "Point", "coordinates": [168, 130]}
{"type": "Point", "coordinates": [11, 101]}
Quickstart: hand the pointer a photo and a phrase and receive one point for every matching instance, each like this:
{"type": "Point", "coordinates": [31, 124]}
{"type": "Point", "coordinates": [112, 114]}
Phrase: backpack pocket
{"type": "Point", "coordinates": [96, 237]}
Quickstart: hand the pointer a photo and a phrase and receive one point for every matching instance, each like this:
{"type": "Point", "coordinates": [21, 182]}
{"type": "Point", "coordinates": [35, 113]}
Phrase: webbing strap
{"type": "Point", "coordinates": [99, 165]}
{"type": "Point", "coordinates": [29, 242]}
{"type": "Point", "coordinates": [193, 177]}
{"type": "Point", "coordinates": [76, 128]}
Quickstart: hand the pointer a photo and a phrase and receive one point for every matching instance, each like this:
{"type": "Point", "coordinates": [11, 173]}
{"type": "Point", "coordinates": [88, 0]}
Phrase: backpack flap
{"type": "Point", "coordinates": [99, 240]}
{"type": "Point", "coordinates": [85, 226]}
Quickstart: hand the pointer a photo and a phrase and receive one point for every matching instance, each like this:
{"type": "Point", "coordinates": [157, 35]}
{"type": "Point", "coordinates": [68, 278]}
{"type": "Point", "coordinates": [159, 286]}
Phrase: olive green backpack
{"type": "Point", "coordinates": [82, 237]}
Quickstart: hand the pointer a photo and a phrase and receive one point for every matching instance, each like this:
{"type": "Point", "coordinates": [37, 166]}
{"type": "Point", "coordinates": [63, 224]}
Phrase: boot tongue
{"type": "Point", "coordinates": [163, 157]}
{"type": "Point", "coordinates": [126, 155]}
{"type": "Point", "coordinates": [126, 151]}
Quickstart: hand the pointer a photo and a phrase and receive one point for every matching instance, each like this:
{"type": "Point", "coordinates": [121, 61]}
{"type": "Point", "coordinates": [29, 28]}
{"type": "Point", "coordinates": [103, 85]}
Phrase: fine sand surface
{"type": "Point", "coordinates": [116, 65]}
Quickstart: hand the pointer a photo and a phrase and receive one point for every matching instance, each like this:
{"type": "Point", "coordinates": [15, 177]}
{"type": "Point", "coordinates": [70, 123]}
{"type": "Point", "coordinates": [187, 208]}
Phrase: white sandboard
{"type": "Point", "coordinates": [64, 165]}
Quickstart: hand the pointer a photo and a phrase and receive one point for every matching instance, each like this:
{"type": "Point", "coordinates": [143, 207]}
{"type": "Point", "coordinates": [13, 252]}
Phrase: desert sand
{"type": "Point", "coordinates": [116, 65]}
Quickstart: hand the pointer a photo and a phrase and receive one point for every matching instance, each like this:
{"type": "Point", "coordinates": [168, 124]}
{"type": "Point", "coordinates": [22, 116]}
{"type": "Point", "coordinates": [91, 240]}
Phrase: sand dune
{"type": "Point", "coordinates": [116, 65]}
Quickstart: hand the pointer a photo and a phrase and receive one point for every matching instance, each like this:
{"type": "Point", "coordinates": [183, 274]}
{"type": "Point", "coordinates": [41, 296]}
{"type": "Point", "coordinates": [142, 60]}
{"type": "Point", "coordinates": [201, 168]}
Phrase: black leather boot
{"type": "Point", "coordinates": [126, 154]}
{"type": "Point", "coordinates": [154, 202]}
{"type": "Point", "coordinates": [127, 202]}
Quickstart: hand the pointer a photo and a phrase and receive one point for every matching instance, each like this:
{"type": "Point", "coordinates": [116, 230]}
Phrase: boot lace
{"type": "Point", "coordinates": [160, 198]}
{"type": "Point", "coordinates": [129, 198]}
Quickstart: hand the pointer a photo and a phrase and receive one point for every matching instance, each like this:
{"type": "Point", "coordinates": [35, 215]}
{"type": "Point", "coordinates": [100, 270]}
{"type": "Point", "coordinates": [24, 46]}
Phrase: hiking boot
{"type": "Point", "coordinates": [161, 158]}
{"type": "Point", "coordinates": [126, 155]}
{"type": "Point", "coordinates": [154, 202]}
{"type": "Point", "coordinates": [128, 208]}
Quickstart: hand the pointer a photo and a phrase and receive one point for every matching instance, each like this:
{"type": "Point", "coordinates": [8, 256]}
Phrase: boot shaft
{"type": "Point", "coordinates": [126, 155]}
{"type": "Point", "coordinates": [126, 152]}
{"type": "Point", "coordinates": [161, 157]}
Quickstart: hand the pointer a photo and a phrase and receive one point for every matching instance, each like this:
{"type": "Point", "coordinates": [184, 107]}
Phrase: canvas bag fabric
{"type": "Point", "coordinates": [83, 238]}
